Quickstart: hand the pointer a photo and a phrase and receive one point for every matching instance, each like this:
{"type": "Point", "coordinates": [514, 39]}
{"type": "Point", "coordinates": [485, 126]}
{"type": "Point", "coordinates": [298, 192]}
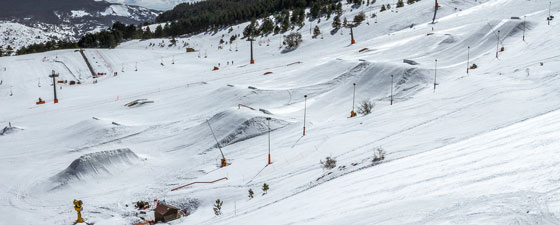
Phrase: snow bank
{"type": "Point", "coordinates": [95, 164]}
{"type": "Point", "coordinates": [230, 127]}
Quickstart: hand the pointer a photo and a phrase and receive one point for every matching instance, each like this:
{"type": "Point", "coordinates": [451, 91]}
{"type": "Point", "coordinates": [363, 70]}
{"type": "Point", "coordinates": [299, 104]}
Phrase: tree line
{"type": "Point", "coordinates": [278, 16]}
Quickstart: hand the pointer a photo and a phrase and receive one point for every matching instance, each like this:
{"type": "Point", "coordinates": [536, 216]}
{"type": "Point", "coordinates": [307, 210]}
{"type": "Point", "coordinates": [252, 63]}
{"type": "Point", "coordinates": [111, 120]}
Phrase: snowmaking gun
{"type": "Point", "coordinates": [223, 161]}
{"type": "Point", "coordinates": [435, 12]}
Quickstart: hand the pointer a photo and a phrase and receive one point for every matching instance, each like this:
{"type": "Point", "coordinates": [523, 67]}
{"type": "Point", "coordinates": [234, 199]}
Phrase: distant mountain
{"type": "Point", "coordinates": [62, 19]}
{"type": "Point", "coordinates": [153, 4]}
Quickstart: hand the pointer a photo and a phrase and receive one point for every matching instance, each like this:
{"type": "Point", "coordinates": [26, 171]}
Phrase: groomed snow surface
{"type": "Point", "coordinates": [483, 148]}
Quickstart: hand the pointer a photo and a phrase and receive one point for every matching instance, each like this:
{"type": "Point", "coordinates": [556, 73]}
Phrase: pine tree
{"type": "Point", "coordinates": [359, 18]}
{"type": "Point", "coordinates": [159, 32]}
{"type": "Point", "coordinates": [336, 22]}
{"type": "Point", "coordinates": [316, 31]}
{"type": "Point", "coordinates": [339, 8]}
{"type": "Point", "coordinates": [265, 188]}
{"type": "Point", "coordinates": [267, 26]}
{"type": "Point", "coordinates": [218, 207]}
{"type": "Point", "coordinates": [251, 193]}
{"type": "Point", "coordinates": [382, 8]}
{"type": "Point", "coordinates": [400, 4]}
{"type": "Point", "coordinates": [315, 11]}
{"type": "Point", "coordinates": [345, 23]}
{"type": "Point", "coordinates": [285, 25]}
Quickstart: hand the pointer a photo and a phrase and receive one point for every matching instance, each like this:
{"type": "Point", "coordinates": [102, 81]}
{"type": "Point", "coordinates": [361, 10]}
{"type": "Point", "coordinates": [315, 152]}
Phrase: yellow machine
{"type": "Point", "coordinates": [78, 207]}
{"type": "Point", "coordinates": [352, 114]}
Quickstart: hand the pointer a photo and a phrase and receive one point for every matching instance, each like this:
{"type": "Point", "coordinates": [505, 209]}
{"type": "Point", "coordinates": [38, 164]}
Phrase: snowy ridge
{"type": "Point", "coordinates": [95, 164]}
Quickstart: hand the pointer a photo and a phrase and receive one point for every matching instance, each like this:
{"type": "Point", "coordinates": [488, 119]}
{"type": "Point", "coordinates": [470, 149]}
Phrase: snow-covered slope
{"type": "Point", "coordinates": [35, 21]}
{"type": "Point", "coordinates": [16, 35]}
{"type": "Point", "coordinates": [482, 148]}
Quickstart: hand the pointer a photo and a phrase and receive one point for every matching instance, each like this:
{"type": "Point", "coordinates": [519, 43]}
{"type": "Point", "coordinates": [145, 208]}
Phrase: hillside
{"type": "Point", "coordinates": [36, 21]}
{"type": "Point", "coordinates": [480, 148]}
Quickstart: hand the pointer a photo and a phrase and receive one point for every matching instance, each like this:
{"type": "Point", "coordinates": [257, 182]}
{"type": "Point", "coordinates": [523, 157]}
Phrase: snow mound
{"type": "Point", "coordinates": [95, 164]}
{"type": "Point", "coordinates": [232, 126]}
{"type": "Point", "coordinates": [94, 132]}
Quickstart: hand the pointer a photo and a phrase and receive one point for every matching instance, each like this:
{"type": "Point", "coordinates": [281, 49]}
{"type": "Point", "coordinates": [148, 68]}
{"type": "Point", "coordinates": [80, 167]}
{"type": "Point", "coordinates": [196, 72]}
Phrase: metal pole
{"type": "Point", "coordinates": [54, 88]}
{"type": "Point", "coordinates": [391, 89]}
{"type": "Point", "coordinates": [524, 21]}
{"type": "Point", "coordinates": [268, 118]}
{"type": "Point", "coordinates": [549, 18]}
{"type": "Point", "coordinates": [354, 97]}
{"type": "Point", "coordinates": [252, 60]}
{"type": "Point", "coordinates": [352, 35]}
{"type": "Point", "coordinates": [304, 113]}
{"type": "Point", "coordinates": [498, 45]}
{"type": "Point", "coordinates": [435, 77]}
{"type": "Point", "coordinates": [218, 143]}
{"type": "Point", "coordinates": [54, 85]}
{"type": "Point", "coordinates": [468, 58]}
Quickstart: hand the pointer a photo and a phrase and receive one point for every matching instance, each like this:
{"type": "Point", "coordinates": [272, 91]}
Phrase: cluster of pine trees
{"type": "Point", "coordinates": [190, 18]}
{"type": "Point", "coordinates": [46, 46]}
{"type": "Point", "coordinates": [283, 20]}
{"type": "Point", "coordinates": [112, 37]}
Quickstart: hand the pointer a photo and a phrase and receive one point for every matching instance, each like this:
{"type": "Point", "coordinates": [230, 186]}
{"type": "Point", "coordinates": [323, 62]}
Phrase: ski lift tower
{"type": "Point", "coordinates": [54, 76]}
{"type": "Point", "coordinates": [351, 24]}
{"type": "Point", "coordinates": [251, 40]}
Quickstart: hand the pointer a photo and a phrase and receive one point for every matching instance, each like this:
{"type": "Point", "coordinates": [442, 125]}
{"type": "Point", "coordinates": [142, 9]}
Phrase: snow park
{"type": "Point", "coordinates": [376, 112]}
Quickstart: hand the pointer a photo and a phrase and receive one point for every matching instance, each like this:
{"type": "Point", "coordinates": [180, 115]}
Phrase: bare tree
{"type": "Point", "coordinates": [329, 163]}
{"type": "Point", "coordinates": [365, 107]}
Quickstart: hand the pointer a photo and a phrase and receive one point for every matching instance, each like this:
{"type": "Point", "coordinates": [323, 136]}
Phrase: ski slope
{"type": "Point", "coordinates": [479, 149]}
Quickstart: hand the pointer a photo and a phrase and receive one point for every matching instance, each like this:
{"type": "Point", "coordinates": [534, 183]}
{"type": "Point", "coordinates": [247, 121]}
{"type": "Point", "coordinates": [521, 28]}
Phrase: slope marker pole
{"type": "Point", "coordinates": [524, 21]}
{"type": "Point", "coordinates": [391, 89]}
{"type": "Point", "coordinates": [549, 16]}
{"type": "Point", "coordinates": [354, 97]}
{"type": "Point", "coordinates": [269, 161]}
{"type": "Point", "coordinates": [468, 58]}
{"type": "Point", "coordinates": [498, 44]}
{"type": "Point", "coordinates": [304, 113]}
{"type": "Point", "coordinates": [435, 77]}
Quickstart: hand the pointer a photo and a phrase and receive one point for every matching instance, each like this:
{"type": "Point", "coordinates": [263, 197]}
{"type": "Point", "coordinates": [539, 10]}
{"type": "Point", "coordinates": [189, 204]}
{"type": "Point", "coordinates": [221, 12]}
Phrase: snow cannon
{"type": "Point", "coordinates": [353, 114]}
{"type": "Point", "coordinates": [40, 102]}
{"type": "Point", "coordinates": [78, 207]}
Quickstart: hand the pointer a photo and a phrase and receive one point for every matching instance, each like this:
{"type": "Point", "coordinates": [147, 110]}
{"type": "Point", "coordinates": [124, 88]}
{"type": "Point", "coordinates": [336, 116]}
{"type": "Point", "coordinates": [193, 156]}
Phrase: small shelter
{"type": "Point", "coordinates": [166, 213]}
